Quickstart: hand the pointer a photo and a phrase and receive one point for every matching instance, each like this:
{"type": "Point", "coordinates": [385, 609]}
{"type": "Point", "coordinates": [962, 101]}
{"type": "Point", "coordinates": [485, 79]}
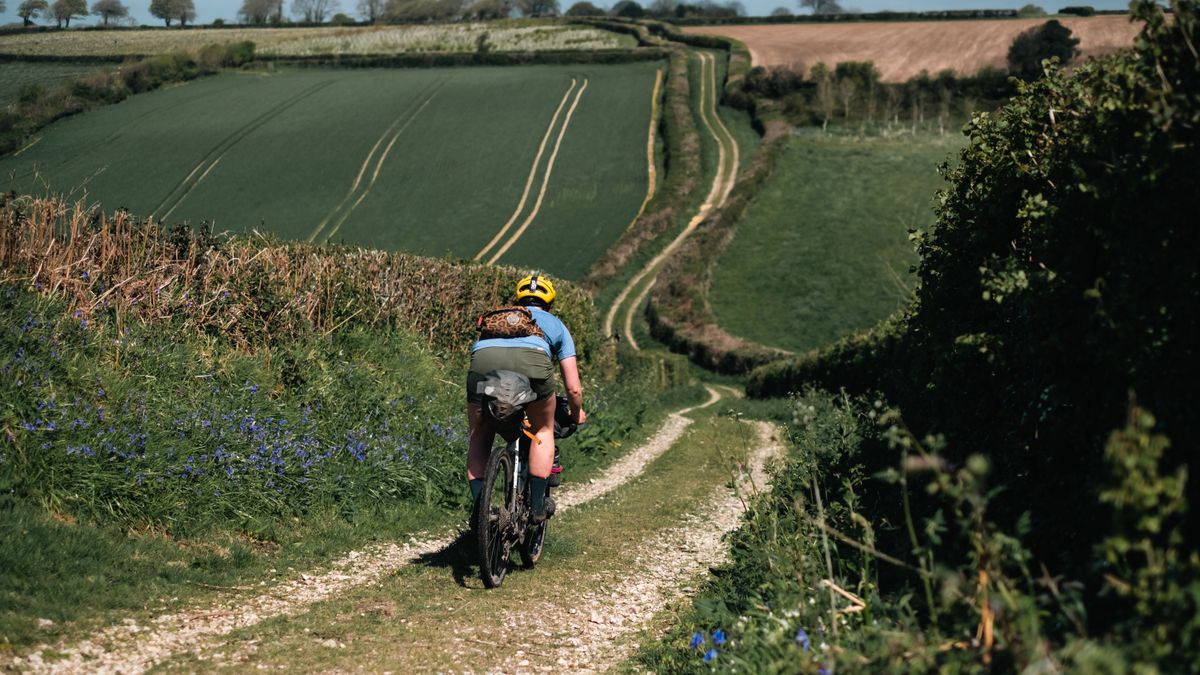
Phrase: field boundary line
{"type": "Point", "coordinates": [537, 160]}
{"type": "Point", "coordinates": [129, 647]}
{"type": "Point", "coordinates": [379, 167]}
{"type": "Point", "coordinates": [362, 170]}
{"type": "Point", "coordinates": [229, 142]}
{"type": "Point", "coordinates": [537, 206]}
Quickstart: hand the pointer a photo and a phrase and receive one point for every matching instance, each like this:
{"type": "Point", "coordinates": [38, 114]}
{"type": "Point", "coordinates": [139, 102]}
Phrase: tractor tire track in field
{"type": "Point", "coordinates": [537, 205]}
{"type": "Point", "coordinates": [424, 97]}
{"type": "Point", "coordinates": [651, 168]}
{"type": "Point", "coordinates": [184, 188]}
{"type": "Point", "coordinates": [723, 181]}
{"type": "Point", "coordinates": [412, 115]}
{"type": "Point", "coordinates": [130, 647]}
{"type": "Point", "coordinates": [537, 160]}
{"type": "Point", "coordinates": [602, 622]}
{"type": "Point", "coordinates": [78, 153]}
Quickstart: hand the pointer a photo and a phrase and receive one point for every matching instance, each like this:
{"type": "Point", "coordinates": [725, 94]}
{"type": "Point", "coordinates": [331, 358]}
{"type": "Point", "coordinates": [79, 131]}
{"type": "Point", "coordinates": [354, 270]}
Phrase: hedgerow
{"type": "Point", "coordinates": [38, 106]}
{"type": "Point", "coordinates": [1059, 295]}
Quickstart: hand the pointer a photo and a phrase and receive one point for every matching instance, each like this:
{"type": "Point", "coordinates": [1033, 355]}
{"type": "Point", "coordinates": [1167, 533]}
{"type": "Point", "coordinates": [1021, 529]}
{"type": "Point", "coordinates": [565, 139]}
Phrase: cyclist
{"type": "Point", "coordinates": [531, 356]}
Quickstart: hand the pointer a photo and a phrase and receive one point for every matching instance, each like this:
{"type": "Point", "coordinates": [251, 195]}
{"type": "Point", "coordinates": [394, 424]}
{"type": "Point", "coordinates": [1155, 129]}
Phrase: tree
{"type": "Point", "coordinates": [662, 8]}
{"type": "Point", "coordinates": [822, 6]}
{"type": "Point", "coordinates": [584, 8]}
{"type": "Point", "coordinates": [256, 11]}
{"type": "Point", "coordinates": [538, 7]}
{"type": "Point", "coordinates": [161, 9]}
{"type": "Point", "coordinates": [1030, 11]}
{"type": "Point", "coordinates": [109, 9]}
{"type": "Point", "coordinates": [1029, 49]}
{"type": "Point", "coordinates": [183, 10]}
{"type": "Point", "coordinates": [826, 95]}
{"type": "Point", "coordinates": [370, 11]}
{"type": "Point", "coordinates": [341, 19]}
{"type": "Point", "coordinates": [28, 11]}
{"type": "Point", "coordinates": [313, 11]}
{"type": "Point", "coordinates": [65, 10]}
{"type": "Point", "coordinates": [628, 9]}
{"type": "Point", "coordinates": [490, 9]}
{"type": "Point", "coordinates": [781, 11]}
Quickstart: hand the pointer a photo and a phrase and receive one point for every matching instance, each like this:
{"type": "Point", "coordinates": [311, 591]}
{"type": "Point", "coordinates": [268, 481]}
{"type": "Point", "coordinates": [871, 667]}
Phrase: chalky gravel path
{"type": "Point", "coordinates": [132, 647]}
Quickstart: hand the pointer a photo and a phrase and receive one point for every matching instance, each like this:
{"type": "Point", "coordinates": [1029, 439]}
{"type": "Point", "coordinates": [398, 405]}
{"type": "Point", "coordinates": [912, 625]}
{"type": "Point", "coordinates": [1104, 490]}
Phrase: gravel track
{"type": "Point", "coordinates": [132, 647]}
{"type": "Point", "coordinates": [603, 621]}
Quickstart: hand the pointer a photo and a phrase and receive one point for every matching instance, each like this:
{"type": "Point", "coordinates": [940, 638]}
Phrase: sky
{"type": "Point", "coordinates": [207, 10]}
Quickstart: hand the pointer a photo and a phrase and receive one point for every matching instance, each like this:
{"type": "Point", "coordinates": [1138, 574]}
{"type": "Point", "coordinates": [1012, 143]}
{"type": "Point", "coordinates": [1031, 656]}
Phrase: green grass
{"type": "Point", "coordinates": [281, 151]}
{"type": "Point", "coordinates": [824, 249]}
{"type": "Point", "coordinates": [150, 463]}
{"type": "Point", "coordinates": [435, 616]}
{"type": "Point", "coordinates": [15, 76]}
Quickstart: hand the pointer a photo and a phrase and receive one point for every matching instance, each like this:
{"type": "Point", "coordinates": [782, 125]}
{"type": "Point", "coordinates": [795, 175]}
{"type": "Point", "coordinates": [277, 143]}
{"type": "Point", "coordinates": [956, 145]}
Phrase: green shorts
{"type": "Point", "coordinates": [532, 363]}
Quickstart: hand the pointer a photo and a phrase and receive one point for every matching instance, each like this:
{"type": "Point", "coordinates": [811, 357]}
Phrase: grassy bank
{"type": "Point", "coordinates": [177, 426]}
{"type": "Point", "coordinates": [829, 229]}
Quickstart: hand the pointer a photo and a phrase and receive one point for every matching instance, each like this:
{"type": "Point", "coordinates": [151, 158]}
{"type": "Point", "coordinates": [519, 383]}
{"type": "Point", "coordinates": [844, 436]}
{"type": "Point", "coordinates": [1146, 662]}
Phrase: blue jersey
{"type": "Point", "coordinates": [558, 342]}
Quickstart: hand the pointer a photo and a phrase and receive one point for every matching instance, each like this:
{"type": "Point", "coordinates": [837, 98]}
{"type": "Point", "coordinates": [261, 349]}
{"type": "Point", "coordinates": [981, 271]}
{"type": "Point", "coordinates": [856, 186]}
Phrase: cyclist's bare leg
{"type": "Point", "coordinates": [541, 455]}
{"type": "Point", "coordinates": [482, 437]}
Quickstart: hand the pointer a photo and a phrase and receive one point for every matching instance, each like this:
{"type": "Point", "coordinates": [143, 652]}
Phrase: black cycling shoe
{"type": "Point", "coordinates": [555, 478]}
{"type": "Point", "coordinates": [536, 518]}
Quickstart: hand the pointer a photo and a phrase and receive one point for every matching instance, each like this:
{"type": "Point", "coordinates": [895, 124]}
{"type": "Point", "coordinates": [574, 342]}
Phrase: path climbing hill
{"type": "Point", "coordinates": [663, 495]}
{"type": "Point", "coordinates": [633, 294]}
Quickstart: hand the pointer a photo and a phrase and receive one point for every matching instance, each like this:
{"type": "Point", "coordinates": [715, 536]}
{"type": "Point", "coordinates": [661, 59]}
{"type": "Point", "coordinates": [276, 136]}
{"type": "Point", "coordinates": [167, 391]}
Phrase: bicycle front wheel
{"type": "Point", "coordinates": [496, 518]}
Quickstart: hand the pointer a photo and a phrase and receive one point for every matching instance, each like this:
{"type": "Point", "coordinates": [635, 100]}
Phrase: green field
{"type": "Point", "coordinates": [15, 76]}
{"type": "Point", "coordinates": [824, 249]}
{"type": "Point", "coordinates": [432, 161]}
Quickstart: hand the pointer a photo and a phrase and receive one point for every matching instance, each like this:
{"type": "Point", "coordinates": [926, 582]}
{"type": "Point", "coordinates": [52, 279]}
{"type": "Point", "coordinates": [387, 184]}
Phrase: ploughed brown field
{"type": "Point", "coordinates": [901, 49]}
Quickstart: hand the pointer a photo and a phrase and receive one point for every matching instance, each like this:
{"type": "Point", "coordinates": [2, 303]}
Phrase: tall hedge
{"type": "Point", "coordinates": [1062, 279]}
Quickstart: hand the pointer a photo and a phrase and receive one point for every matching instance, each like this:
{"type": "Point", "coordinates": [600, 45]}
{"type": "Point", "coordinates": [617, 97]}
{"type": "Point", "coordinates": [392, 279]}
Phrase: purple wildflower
{"type": "Point", "coordinates": [697, 640]}
{"type": "Point", "coordinates": [710, 656]}
{"type": "Point", "coordinates": [802, 638]}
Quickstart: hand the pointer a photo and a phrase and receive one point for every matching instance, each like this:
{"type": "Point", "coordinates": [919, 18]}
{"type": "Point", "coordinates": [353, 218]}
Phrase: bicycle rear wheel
{"type": "Point", "coordinates": [496, 520]}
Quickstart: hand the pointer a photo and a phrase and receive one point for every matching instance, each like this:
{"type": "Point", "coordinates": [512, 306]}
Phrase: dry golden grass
{"type": "Point", "coordinates": [903, 49]}
{"type": "Point", "coordinates": [253, 291]}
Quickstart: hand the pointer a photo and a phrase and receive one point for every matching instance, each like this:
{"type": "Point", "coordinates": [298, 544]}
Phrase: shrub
{"type": "Point", "coordinates": [1030, 48]}
{"type": "Point", "coordinates": [1081, 10]}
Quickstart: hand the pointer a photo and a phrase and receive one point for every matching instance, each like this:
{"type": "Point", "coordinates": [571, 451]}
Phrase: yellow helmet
{"type": "Point", "coordinates": [535, 286]}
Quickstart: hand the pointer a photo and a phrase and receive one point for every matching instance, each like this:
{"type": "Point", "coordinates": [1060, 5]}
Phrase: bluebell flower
{"type": "Point", "coordinates": [824, 671]}
{"type": "Point", "coordinates": [802, 638]}
{"type": "Point", "coordinates": [718, 637]}
{"type": "Point", "coordinates": [710, 656]}
{"type": "Point", "coordinates": [697, 640]}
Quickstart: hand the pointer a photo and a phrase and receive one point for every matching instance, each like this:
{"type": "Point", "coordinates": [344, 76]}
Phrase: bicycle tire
{"type": "Point", "coordinates": [531, 544]}
{"type": "Point", "coordinates": [496, 521]}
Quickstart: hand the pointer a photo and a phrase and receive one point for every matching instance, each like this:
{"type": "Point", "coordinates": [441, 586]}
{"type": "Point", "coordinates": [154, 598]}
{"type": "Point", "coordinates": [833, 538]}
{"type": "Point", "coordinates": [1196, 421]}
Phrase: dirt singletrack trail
{"type": "Point", "coordinates": [201, 637]}
{"type": "Point", "coordinates": [728, 159]}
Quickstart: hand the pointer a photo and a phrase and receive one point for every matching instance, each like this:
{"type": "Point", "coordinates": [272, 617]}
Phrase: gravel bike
{"type": "Point", "coordinates": [502, 512]}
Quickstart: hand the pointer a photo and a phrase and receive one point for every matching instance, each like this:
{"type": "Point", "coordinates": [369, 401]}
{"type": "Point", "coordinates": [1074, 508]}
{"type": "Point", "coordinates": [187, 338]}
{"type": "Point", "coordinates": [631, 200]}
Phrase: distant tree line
{"type": "Point", "coordinates": [851, 92]}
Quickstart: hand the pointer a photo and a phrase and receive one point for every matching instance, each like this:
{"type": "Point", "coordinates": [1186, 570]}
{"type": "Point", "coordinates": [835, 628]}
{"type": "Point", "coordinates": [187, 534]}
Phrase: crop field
{"type": "Point", "coordinates": [509, 36]}
{"type": "Point", "coordinates": [824, 249]}
{"type": "Point", "coordinates": [15, 76]}
{"type": "Point", "coordinates": [903, 49]}
{"type": "Point", "coordinates": [538, 165]}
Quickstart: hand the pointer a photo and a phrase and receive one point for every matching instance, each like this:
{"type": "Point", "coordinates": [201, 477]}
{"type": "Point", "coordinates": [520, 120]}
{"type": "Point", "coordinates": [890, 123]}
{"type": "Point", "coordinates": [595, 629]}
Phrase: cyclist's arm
{"type": "Point", "coordinates": [570, 376]}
